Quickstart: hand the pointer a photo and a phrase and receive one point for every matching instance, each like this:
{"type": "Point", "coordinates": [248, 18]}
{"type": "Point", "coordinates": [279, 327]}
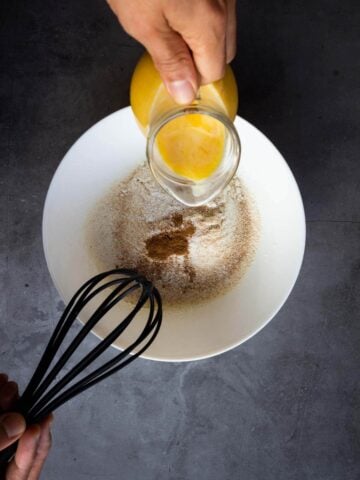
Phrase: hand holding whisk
{"type": "Point", "coordinates": [39, 397]}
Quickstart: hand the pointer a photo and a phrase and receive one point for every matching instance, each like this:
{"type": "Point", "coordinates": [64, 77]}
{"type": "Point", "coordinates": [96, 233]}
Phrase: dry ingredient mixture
{"type": "Point", "coordinates": [190, 253]}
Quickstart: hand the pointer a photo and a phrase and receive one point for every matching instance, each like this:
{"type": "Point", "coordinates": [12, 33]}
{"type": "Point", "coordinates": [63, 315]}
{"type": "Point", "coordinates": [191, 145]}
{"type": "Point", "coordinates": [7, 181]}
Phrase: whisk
{"type": "Point", "coordinates": [38, 400]}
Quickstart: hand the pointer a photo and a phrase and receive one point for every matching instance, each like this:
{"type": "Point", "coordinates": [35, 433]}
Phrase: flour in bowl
{"type": "Point", "coordinates": [190, 253]}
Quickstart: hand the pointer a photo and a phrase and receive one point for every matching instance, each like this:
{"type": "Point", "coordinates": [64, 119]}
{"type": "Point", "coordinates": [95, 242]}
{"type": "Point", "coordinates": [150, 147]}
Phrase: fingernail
{"type": "Point", "coordinates": [13, 425]}
{"type": "Point", "coordinates": [182, 91]}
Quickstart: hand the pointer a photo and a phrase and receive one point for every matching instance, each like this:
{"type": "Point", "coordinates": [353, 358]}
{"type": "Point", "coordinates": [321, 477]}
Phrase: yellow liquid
{"type": "Point", "coordinates": [192, 145]}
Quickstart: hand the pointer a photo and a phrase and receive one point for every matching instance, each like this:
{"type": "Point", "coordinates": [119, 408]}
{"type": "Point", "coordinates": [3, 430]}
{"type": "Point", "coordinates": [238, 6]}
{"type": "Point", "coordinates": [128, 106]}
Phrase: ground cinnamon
{"type": "Point", "coordinates": [172, 242]}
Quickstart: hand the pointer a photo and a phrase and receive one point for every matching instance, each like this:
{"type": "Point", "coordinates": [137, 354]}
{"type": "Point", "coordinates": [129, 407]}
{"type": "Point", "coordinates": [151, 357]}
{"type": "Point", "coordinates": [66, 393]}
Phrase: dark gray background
{"type": "Point", "coordinates": [286, 404]}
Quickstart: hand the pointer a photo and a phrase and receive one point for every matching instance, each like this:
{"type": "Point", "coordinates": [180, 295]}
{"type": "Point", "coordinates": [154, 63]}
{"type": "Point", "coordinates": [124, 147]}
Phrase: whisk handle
{"type": "Point", "coordinates": [5, 457]}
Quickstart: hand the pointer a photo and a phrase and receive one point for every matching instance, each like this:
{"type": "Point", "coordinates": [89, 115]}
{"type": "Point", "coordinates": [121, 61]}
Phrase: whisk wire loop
{"type": "Point", "coordinates": [67, 319]}
{"type": "Point", "coordinates": [152, 326]}
{"type": "Point", "coordinates": [39, 398]}
{"type": "Point", "coordinates": [91, 356]}
{"type": "Point", "coordinates": [38, 383]}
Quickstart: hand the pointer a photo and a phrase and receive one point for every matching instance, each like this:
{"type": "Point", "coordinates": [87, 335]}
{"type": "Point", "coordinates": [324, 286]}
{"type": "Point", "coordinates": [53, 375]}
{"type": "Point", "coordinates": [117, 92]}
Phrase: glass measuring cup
{"type": "Point", "coordinates": [193, 151]}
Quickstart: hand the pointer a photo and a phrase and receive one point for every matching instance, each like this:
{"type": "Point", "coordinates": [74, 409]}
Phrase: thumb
{"type": "Point", "coordinates": [12, 426]}
{"type": "Point", "coordinates": [175, 64]}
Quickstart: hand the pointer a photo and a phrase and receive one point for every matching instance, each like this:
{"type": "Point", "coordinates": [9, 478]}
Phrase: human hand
{"type": "Point", "coordinates": [34, 441]}
{"type": "Point", "coordinates": [189, 41]}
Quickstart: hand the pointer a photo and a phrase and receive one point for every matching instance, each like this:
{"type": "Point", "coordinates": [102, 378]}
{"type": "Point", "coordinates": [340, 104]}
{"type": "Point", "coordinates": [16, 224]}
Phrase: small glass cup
{"type": "Point", "coordinates": [190, 192]}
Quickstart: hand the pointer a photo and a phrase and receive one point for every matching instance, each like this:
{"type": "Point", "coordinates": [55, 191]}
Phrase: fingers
{"type": "Point", "coordinates": [174, 62]}
{"type": "Point", "coordinates": [20, 466]}
{"type": "Point", "coordinates": [3, 378]}
{"type": "Point", "coordinates": [190, 42]}
{"type": "Point", "coordinates": [231, 31]}
{"type": "Point", "coordinates": [34, 443]}
{"type": "Point", "coordinates": [8, 395]}
{"type": "Point", "coordinates": [203, 26]}
{"type": "Point", "coordinates": [146, 22]}
{"type": "Point", "coordinates": [43, 448]}
{"type": "Point", "coordinates": [170, 53]}
{"type": "Point", "coordinates": [12, 426]}
{"type": "Point", "coordinates": [32, 450]}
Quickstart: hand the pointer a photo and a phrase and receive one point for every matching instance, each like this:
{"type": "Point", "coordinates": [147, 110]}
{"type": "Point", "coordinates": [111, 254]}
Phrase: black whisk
{"type": "Point", "coordinates": [38, 400]}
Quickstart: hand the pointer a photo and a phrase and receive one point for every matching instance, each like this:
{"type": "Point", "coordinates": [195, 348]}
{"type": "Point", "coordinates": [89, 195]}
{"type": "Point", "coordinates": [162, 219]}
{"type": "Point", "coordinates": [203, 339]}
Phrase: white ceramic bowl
{"type": "Point", "coordinates": [108, 152]}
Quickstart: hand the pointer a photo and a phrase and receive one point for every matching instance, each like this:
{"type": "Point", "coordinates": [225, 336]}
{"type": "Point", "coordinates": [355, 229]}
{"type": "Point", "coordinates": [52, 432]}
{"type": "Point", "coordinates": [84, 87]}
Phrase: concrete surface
{"type": "Point", "coordinates": [286, 404]}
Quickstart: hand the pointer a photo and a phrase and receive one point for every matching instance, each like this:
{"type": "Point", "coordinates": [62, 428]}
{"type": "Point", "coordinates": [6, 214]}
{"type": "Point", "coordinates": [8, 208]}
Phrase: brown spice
{"type": "Point", "coordinates": [165, 244]}
{"type": "Point", "coordinates": [177, 219]}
